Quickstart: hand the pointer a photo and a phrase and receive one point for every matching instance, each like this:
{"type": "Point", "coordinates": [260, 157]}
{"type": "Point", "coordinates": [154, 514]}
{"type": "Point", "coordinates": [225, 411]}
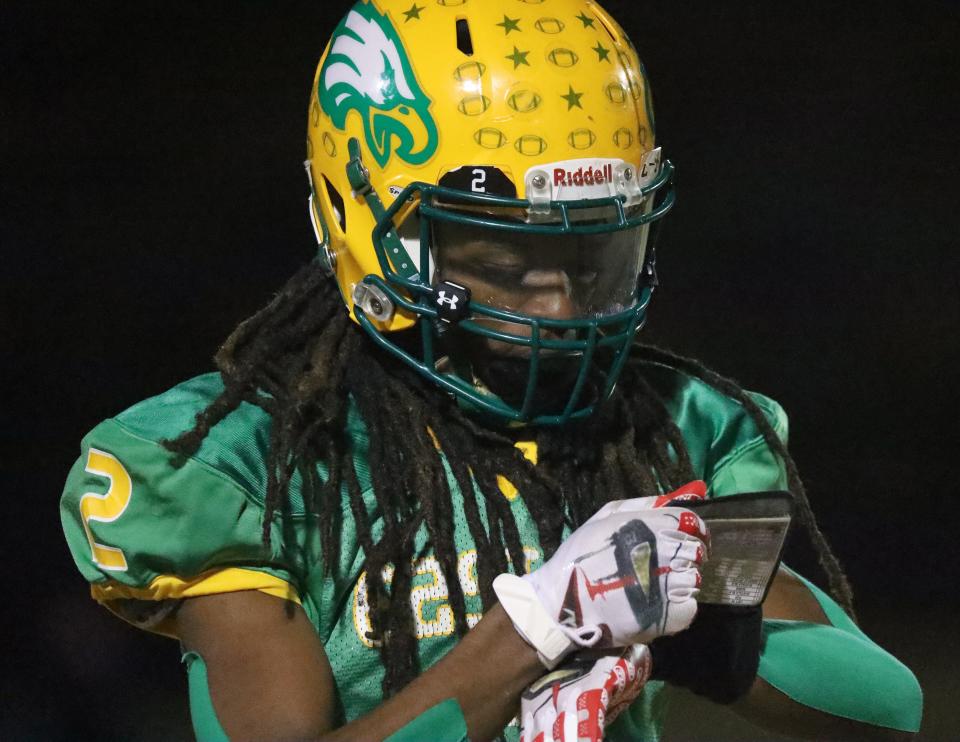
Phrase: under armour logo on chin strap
{"type": "Point", "coordinates": [453, 301]}
{"type": "Point", "coordinates": [442, 298]}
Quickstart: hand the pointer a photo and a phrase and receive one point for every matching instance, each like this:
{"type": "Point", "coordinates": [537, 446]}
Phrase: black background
{"type": "Point", "coordinates": [152, 196]}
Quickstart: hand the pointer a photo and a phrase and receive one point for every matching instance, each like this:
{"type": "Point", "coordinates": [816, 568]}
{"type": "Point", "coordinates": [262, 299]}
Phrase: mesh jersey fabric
{"type": "Point", "coordinates": [190, 527]}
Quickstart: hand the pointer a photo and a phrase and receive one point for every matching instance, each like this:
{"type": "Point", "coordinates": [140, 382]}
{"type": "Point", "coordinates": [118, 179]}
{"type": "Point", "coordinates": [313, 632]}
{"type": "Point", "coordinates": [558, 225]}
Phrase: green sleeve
{"type": "Point", "coordinates": [206, 725]}
{"type": "Point", "coordinates": [839, 670]}
{"type": "Point", "coordinates": [836, 669]}
{"type": "Point", "coordinates": [642, 721]}
{"type": "Point", "coordinates": [143, 525]}
{"type": "Point", "coordinates": [751, 465]}
{"type": "Point", "coordinates": [441, 723]}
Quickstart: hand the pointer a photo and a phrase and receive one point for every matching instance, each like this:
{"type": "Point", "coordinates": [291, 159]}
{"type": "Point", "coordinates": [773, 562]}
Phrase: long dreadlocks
{"type": "Point", "coordinates": [301, 359]}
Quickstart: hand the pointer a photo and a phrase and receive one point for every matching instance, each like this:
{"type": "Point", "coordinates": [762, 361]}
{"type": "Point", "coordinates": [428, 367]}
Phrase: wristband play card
{"type": "Point", "coordinates": [747, 535]}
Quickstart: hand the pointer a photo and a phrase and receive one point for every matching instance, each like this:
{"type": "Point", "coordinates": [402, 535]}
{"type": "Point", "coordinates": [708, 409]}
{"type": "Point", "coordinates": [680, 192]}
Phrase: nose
{"type": "Point", "coordinates": [550, 295]}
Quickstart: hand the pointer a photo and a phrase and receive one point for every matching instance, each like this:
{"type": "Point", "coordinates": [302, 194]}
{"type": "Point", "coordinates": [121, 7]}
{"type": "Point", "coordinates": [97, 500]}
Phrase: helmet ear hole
{"type": "Point", "coordinates": [464, 39]}
{"type": "Point", "coordinates": [606, 27]}
{"type": "Point", "coordinates": [336, 203]}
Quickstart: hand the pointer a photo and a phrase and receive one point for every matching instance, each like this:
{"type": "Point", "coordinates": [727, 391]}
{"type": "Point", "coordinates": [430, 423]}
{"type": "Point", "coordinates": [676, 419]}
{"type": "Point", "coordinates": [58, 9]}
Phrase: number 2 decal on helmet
{"type": "Point", "coordinates": [368, 71]}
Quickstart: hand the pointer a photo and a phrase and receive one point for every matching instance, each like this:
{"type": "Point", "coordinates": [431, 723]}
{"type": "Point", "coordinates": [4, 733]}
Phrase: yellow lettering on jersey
{"type": "Point", "coordinates": [467, 572]}
{"type": "Point", "coordinates": [106, 508]}
{"type": "Point", "coordinates": [436, 590]}
{"type": "Point", "coordinates": [531, 554]}
{"type": "Point", "coordinates": [361, 607]}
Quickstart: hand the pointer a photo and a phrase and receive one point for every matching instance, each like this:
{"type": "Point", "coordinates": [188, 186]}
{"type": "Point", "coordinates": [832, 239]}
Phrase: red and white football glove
{"type": "Point", "coordinates": [628, 575]}
{"type": "Point", "coordinates": [576, 701]}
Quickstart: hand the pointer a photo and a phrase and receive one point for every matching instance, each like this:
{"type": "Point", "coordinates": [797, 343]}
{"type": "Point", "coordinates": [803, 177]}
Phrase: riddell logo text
{"type": "Point", "coordinates": [584, 176]}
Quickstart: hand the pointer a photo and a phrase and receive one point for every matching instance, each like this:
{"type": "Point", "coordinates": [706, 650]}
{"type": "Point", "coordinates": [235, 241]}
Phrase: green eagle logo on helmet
{"type": "Point", "coordinates": [367, 70]}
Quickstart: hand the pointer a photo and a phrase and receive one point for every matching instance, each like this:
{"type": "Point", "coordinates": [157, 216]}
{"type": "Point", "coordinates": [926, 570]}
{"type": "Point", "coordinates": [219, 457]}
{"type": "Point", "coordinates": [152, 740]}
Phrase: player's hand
{"type": "Point", "coordinates": [576, 702]}
{"type": "Point", "coordinates": [626, 576]}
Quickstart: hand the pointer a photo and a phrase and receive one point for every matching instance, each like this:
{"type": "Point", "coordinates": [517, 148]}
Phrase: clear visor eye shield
{"type": "Point", "coordinates": [537, 280]}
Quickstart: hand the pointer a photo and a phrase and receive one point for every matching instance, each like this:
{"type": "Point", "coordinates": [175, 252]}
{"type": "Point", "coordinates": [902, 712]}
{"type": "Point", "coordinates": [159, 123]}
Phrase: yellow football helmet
{"type": "Point", "coordinates": [524, 121]}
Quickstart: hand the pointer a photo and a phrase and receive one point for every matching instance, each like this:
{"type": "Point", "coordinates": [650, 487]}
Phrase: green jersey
{"type": "Point", "coordinates": [146, 525]}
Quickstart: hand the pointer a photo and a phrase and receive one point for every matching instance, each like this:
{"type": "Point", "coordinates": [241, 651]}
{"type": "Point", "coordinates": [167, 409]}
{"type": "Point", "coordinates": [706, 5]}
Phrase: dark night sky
{"type": "Point", "coordinates": [152, 196]}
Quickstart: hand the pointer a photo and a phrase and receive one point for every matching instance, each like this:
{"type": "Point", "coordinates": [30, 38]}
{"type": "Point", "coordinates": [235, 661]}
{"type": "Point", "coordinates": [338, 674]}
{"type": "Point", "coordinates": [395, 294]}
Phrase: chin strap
{"type": "Point", "coordinates": [552, 640]}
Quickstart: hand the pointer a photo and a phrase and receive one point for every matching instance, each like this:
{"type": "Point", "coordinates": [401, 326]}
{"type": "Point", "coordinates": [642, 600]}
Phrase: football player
{"type": "Point", "coordinates": [386, 515]}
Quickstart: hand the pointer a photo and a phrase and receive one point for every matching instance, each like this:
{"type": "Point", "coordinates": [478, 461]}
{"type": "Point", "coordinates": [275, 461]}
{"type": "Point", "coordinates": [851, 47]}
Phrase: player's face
{"type": "Point", "coordinates": [556, 277]}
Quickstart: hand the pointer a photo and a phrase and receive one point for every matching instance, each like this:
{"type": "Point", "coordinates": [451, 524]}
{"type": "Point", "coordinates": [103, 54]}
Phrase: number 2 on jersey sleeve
{"type": "Point", "coordinates": [107, 507]}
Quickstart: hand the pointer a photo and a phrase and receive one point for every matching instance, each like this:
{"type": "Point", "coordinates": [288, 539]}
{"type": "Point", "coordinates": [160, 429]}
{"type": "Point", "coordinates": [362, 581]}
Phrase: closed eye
{"type": "Point", "coordinates": [504, 268]}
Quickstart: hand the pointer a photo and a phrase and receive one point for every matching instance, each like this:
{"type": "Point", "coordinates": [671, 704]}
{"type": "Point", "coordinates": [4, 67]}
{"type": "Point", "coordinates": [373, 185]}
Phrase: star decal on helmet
{"type": "Point", "coordinates": [368, 71]}
{"type": "Point", "coordinates": [414, 13]}
{"type": "Point", "coordinates": [586, 20]}
{"type": "Point", "coordinates": [603, 53]}
{"type": "Point", "coordinates": [510, 24]}
{"type": "Point", "coordinates": [518, 57]}
{"type": "Point", "coordinates": [573, 99]}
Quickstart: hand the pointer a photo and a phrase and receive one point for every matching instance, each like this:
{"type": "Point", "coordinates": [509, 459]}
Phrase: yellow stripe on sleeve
{"type": "Point", "coordinates": [214, 582]}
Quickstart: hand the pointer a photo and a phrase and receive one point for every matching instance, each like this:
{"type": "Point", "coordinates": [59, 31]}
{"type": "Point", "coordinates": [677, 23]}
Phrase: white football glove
{"type": "Point", "coordinates": [577, 701]}
{"type": "Point", "coordinates": [628, 575]}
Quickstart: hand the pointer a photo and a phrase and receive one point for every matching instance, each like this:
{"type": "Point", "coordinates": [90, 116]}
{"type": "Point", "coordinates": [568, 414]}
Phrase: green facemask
{"type": "Point", "coordinates": [597, 340]}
